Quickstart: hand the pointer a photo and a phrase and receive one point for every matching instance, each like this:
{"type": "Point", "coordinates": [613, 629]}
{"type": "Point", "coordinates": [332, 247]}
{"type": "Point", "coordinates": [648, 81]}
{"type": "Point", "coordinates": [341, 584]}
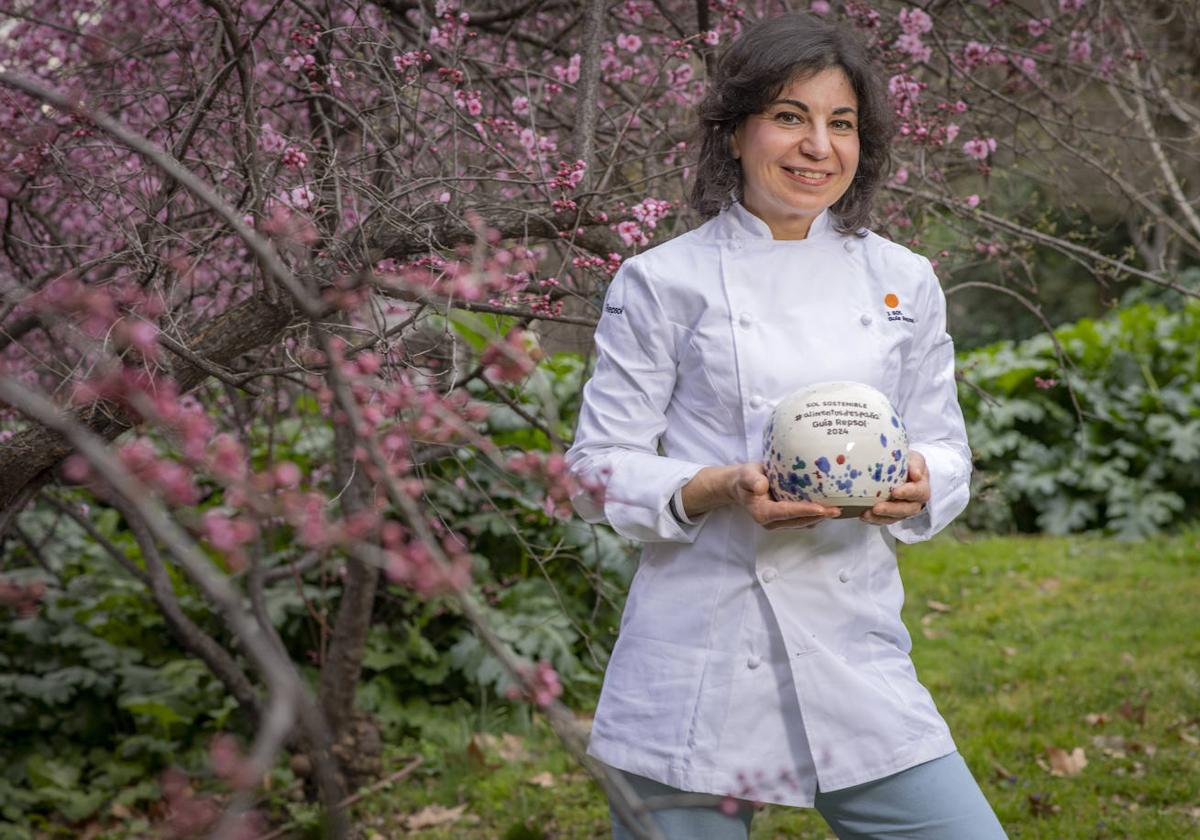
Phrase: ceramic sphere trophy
{"type": "Point", "coordinates": [838, 443]}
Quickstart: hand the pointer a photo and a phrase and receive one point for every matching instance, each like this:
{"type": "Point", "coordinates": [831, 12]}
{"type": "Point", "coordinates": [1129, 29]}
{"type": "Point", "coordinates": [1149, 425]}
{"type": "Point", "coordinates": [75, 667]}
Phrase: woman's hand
{"type": "Point", "coordinates": [906, 500]}
{"type": "Point", "coordinates": [746, 485]}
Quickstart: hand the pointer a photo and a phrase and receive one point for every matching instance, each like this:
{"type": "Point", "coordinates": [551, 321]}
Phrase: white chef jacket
{"type": "Point", "coordinates": [758, 663]}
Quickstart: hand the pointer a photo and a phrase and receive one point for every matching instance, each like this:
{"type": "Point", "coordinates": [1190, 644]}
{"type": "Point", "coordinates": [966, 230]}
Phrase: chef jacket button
{"type": "Point", "coordinates": [843, 576]}
{"type": "Point", "coordinates": [865, 319]}
{"type": "Point", "coordinates": [756, 401]}
{"type": "Point", "coordinates": [769, 575]}
{"type": "Point", "coordinates": [753, 662]}
{"type": "Point", "coordinates": [746, 319]}
{"type": "Point", "coordinates": [848, 245]}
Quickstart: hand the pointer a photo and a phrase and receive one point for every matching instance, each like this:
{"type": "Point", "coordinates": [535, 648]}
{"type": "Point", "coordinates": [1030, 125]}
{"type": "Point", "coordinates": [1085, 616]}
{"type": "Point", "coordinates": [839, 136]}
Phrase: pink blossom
{"type": "Point", "coordinates": [952, 130]}
{"type": "Point", "coordinates": [681, 75]}
{"type": "Point", "coordinates": [631, 233]}
{"type": "Point", "coordinates": [539, 684]}
{"type": "Point", "coordinates": [143, 337]}
{"type": "Point", "coordinates": [912, 45]}
{"type": "Point", "coordinates": [901, 176]}
{"type": "Point", "coordinates": [1081, 45]}
{"type": "Point", "coordinates": [819, 7]}
{"type": "Point", "coordinates": [979, 148]}
{"type": "Point", "coordinates": [512, 359]}
{"type": "Point", "coordinates": [631, 43]}
{"type": "Point", "coordinates": [973, 200]}
{"type": "Point", "coordinates": [1070, 5]}
{"type": "Point", "coordinates": [712, 37]}
{"type": "Point", "coordinates": [569, 74]}
{"type": "Point", "coordinates": [974, 54]}
{"type": "Point", "coordinates": [906, 91]}
{"type": "Point", "coordinates": [287, 474]}
{"type": "Point", "coordinates": [520, 105]}
{"type": "Point", "coordinates": [296, 62]}
{"type": "Point", "coordinates": [293, 158]}
{"type": "Point", "coordinates": [410, 59]}
{"type": "Point", "coordinates": [1044, 384]}
{"type": "Point", "coordinates": [1037, 27]}
{"type": "Point", "coordinates": [444, 197]}
{"type": "Point", "coordinates": [299, 198]}
{"type": "Point", "coordinates": [915, 21]}
{"type": "Point", "coordinates": [270, 140]}
{"type": "Point", "coordinates": [649, 211]}
{"type": "Point", "coordinates": [469, 101]}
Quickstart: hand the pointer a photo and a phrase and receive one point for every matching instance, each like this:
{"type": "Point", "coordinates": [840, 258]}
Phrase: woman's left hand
{"type": "Point", "coordinates": [906, 500]}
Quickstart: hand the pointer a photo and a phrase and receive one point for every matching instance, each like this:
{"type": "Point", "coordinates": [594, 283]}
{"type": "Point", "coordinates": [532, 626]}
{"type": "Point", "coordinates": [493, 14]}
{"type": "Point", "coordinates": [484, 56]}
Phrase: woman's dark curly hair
{"type": "Point", "coordinates": [766, 58]}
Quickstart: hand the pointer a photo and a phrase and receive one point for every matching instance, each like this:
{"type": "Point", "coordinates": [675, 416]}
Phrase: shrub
{"type": "Point", "coordinates": [1102, 435]}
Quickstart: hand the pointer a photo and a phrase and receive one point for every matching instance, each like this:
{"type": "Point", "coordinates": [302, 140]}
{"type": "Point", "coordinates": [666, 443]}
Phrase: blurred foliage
{"type": "Point", "coordinates": [95, 700]}
{"type": "Point", "coordinates": [1097, 427]}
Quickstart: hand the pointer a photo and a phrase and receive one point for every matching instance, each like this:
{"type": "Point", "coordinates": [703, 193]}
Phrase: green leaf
{"type": "Point", "coordinates": [47, 772]}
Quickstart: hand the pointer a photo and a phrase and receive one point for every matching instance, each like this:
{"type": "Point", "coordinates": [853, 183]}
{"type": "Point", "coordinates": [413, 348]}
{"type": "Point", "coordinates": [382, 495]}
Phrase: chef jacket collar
{"type": "Point", "coordinates": [739, 223]}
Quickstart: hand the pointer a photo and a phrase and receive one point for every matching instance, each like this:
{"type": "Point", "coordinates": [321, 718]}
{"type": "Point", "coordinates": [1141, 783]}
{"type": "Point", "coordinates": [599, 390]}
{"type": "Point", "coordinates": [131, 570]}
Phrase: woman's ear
{"type": "Point", "coordinates": [734, 151]}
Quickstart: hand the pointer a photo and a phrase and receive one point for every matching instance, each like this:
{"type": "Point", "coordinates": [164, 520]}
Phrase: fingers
{"type": "Point", "coordinates": [772, 514]}
{"type": "Point", "coordinates": [913, 491]}
{"type": "Point", "coordinates": [917, 468]}
{"type": "Point", "coordinates": [752, 478]}
{"type": "Point", "coordinates": [889, 513]}
{"type": "Point", "coordinates": [801, 524]}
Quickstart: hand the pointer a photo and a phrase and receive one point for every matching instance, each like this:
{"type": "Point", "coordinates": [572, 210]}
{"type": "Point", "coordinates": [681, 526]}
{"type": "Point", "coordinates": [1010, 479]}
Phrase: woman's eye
{"type": "Point", "coordinates": [788, 117]}
{"type": "Point", "coordinates": [843, 125]}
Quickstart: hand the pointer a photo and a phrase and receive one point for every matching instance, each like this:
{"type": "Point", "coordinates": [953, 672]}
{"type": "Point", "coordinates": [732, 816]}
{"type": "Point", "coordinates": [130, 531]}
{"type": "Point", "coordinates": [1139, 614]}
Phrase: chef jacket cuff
{"type": "Point", "coordinates": [949, 491]}
{"type": "Point", "coordinates": [637, 499]}
{"type": "Point", "coordinates": [677, 509]}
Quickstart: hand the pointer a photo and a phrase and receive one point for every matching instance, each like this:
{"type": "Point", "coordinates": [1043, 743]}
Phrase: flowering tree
{"type": "Point", "coordinates": [365, 217]}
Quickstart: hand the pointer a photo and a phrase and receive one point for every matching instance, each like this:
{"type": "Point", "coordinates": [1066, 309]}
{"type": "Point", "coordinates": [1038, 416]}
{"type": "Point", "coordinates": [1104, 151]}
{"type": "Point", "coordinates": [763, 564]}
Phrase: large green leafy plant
{"type": "Point", "coordinates": [1097, 427]}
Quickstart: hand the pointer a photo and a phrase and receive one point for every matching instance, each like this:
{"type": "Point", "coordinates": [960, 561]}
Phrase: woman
{"type": "Point", "coordinates": [761, 652]}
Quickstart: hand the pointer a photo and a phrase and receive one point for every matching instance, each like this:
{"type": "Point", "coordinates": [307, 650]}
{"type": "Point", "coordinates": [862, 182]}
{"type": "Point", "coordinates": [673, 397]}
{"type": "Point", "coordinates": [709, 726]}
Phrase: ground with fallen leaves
{"type": "Point", "coordinates": [1068, 669]}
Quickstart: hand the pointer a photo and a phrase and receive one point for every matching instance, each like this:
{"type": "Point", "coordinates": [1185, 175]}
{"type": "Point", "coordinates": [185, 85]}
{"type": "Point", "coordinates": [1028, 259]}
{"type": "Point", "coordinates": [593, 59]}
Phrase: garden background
{"type": "Point", "coordinates": [295, 310]}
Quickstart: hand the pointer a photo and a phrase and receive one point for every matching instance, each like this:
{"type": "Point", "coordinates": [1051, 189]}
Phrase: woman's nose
{"type": "Point", "coordinates": [815, 143]}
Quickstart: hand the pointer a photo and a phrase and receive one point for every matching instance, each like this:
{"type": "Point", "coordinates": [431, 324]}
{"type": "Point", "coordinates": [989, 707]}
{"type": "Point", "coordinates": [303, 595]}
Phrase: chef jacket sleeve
{"type": "Point", "coordinates": [623, 416]}
{"type": "Point", "coordinates": [933, 418]}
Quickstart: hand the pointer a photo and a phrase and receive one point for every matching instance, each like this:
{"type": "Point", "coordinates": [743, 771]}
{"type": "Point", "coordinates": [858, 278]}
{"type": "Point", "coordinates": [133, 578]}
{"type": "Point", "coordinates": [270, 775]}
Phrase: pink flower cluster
{"type": "Point", "coordinates": [647, 214]}
{"type": "Point", "coordinates": [979, 147]}
{"type": "Point", "coordinates": [189, 815]}
{"type": "Point", "coordinates": [1080, 48]}
{"type": "Point", "coordinates": [512, 359]}
{"type": "Point", "coordinates": [538, 685]}
{"type": "Point", "coordinates": [24, 599]}
{"type": "Point", "coordinates": [469, 100]}
{"type": "Point", "coordinates": [913, 24]}
{"type": "Point", "coordinates": [568, 175]}
{"type": "Point", "coordinates": [293, 158]}
{"type": "Point", "coordinates": [630, 43]}
{"type": "Point", "coordinates": [568, 74]}
{"type": "Point", "coordinates": [411, 59]}
{"type": "Point", "coordinates": [551, 472]}
{"type": "Point", "coordinates": [1037, 27]}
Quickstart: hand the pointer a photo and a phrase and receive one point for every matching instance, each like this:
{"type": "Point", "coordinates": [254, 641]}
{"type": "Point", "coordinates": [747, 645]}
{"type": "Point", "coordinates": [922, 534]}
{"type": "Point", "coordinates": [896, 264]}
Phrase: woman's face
{"type": "Point", "coordinates": [799, 155]}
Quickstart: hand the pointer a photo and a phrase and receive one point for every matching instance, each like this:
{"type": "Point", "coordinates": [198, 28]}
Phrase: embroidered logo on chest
{"type": "Point", "coordinates": [894, 313]}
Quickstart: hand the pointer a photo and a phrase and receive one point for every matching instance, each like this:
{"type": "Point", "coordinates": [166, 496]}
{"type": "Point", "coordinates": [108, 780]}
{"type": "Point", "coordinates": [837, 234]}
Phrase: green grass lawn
{"type": "Point", "coordinates": [1028, 645]}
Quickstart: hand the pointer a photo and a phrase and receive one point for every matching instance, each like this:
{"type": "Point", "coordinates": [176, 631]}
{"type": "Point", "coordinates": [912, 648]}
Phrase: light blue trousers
{"type": "Point", "coordinates": [937, 800]}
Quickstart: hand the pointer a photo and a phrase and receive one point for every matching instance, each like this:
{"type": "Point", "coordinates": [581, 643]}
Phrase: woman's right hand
{"type": "Point", "coordinates": [752, 491]}
{"type": "Point", "coordinates": [746, 485]}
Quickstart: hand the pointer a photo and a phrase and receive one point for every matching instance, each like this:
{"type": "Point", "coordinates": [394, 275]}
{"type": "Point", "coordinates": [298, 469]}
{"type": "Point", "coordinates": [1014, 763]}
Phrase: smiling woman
{"type": "Point", "coordinates": [761, 653]}
{"type": "Point", "coordinates": [800, 155]}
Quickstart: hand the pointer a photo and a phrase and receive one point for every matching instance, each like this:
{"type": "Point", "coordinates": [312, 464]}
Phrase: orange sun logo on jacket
{"type": "Point", "coordinates": [890, 300]}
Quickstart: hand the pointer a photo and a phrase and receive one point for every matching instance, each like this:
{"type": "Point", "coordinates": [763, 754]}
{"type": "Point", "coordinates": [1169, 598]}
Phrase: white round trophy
{"type": "Point", "coordinates": [838, 443]}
